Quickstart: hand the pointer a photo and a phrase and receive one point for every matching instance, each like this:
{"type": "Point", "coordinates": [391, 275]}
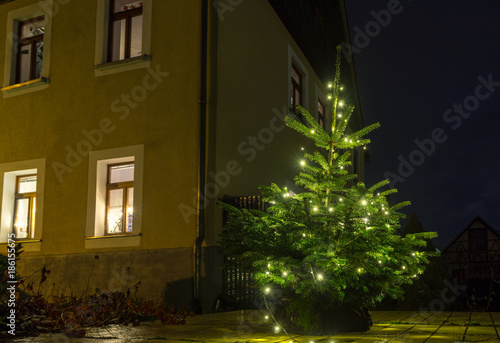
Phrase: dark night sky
{"type": "Point", "coordinates": [426, 59]}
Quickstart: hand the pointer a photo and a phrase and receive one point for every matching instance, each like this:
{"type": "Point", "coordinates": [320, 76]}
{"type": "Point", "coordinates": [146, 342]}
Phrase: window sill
{"type": "Point", "coordinates": [117, 241]}
{"type": "Point", "coordinates": [25, 87]}
{"type": "Point", "coordinates": [28, 244]}
{"type": "Point", "coordinates": [122, 65]}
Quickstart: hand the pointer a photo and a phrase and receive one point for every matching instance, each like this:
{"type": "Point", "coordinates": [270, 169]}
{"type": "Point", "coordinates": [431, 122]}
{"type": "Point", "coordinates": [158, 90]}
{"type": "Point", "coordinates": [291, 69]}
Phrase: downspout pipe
{"type": "Point", "coordinates": [197, 308]}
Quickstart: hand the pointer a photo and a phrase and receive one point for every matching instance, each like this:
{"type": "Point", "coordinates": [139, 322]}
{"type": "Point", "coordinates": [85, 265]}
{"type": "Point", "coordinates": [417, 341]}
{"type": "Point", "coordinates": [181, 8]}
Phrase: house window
{"type": "Point", "coordinates": [298, 80]}
{"type": "Point", "coordinates": [321, 114]}
{"type": "Point", "coordinates": [123, 35]}
{"type": "Point", "coordinates": [125, 29]}
{"type": "Point", "coordinates": [27, 50]}
{"type": "Point", "coordinates": [25, 206]}
{"type": "Point", "coordinates": [21, 202]}
{"type": "Point", "coordinates": [120, 198]}
{"type": "Point", "coordinates": [29, 57]}
{"type": "Point", "coordinates": [114, 197]}
{"type": "Point", "coordinates": [296, 87]}
{"type": "Point", "coordinates": [478, 240]}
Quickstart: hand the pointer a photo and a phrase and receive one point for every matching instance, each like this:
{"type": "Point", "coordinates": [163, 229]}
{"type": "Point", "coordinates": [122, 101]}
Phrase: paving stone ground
{"type": "Point", "coordinates": [252, 327]}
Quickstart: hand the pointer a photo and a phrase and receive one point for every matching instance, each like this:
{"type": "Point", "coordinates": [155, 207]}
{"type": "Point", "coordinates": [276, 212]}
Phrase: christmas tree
{"type": "Point", "coordinates": [332, 248]}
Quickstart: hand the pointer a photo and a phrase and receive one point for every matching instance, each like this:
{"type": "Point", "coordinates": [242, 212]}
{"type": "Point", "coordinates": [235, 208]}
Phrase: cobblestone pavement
{"type": "Point", "coordinates": [252, 327]}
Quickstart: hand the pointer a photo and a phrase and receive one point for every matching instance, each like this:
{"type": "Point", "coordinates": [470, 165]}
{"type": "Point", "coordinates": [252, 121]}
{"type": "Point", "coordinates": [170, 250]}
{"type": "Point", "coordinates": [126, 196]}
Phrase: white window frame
{"type": "Point", "coordinates": [10, 88]}
{"type": "Point", "coordinates": [293, 59]}
{"type": "Point", "coordinates": [102, 67]}
{"type": "Point", "coordinates": [8, 175]}
{"type": "Point", "coordinates": [96, 197]}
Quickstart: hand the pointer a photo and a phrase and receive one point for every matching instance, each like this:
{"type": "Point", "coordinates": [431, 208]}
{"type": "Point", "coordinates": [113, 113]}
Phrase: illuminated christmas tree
{"type": "Point", "coordinates": [334, 249]}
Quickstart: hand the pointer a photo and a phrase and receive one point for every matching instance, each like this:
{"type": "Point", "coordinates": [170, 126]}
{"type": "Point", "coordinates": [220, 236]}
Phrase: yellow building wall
{"type": "Point", "coordinates": [42, 124]}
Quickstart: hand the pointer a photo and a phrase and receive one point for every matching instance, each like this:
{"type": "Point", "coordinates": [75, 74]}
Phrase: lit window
{"type": "Point", "coordinates": [125, 29]}
{"type": "Point", "coordinates": [114, 197]}
{"type": "Point", "coordinates": [296, 94]}
{"type": "Point", "coordinates": [120, 198]}
{"type": "Point", "coordinates": [21, 202]}
{"type": "Point", "coordinates": [25, 206]}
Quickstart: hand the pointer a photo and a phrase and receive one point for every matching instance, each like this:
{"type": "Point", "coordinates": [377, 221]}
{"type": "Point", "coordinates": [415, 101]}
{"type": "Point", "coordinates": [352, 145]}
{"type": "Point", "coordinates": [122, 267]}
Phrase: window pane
{"type": "Point", "coordinates": [297, 98]}
{"type": "Point", "coordinates": [32, 28]}
{"type": "Point", "coordinates": [321, 110]}
{"type": "Point", "coordinates": [130, 208]}
{"type": "Point", "coordinates": [136, 39]}
{"type": "Point", "coordinates": [118, 48]}
{"type": "Point", "coordinates": [115, 211]}
{"type": "Point", "coordinates": [121, 173]}
{"type": "Point", "coordinates": [321, 114]}
{"type": "Point", "coordinates": [26, 184]}
{"type": "Point", "coordinates": [124, 5]}
{"type": "Point", "coordinates": [25, 63]}
{"type": "Point", "coordinates": [38, 60]}
{"type": "Point", "coordinates": [296, 76]}
{"type": "Point", "coordinates": [21, 218]}
{"type": "Point", "coordinates": [32, 219]}
{"type": "Point", "coordinates": [478, 240]}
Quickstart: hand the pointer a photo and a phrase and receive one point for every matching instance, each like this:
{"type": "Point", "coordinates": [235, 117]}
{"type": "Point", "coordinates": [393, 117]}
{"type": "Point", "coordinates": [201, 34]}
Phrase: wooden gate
{"type": "Point", "coordinates": [239, 283]}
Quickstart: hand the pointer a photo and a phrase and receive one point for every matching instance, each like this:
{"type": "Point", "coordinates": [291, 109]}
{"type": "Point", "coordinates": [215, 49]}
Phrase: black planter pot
{"type": "Point", "coordinates": [325, 321]}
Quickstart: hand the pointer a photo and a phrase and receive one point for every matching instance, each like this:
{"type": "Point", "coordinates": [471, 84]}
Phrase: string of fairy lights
{"type": "Point", "coordinates": [317, 277]}
{"type": "Point", "coordinates": [368, 205]}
